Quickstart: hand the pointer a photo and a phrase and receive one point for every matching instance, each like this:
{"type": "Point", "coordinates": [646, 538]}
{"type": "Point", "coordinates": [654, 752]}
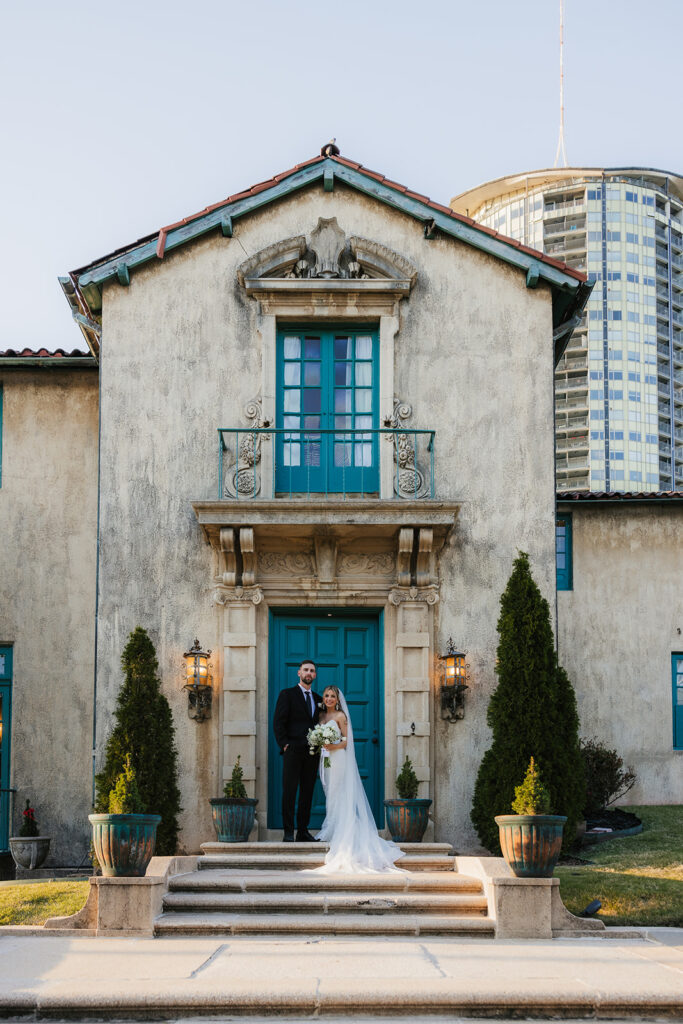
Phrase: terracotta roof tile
{"type": "Point", "coordinates": [42, 353]}
{"type": "Point", "coordinates": [618, 495]}
{"type": "Point", "coordinates": [160, 235]}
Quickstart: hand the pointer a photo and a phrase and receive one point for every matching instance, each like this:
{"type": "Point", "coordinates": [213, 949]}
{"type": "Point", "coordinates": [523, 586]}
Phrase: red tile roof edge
{"type": "Point", "coordinates": [616, 495]}
{"type": "Point", "coordinates": [42, 353]}
{"type": "Point", "coordinates": [382, 179]}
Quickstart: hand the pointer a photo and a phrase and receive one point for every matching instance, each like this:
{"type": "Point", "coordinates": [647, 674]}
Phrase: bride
{"type": "Point", "coordinates": [349, 826]}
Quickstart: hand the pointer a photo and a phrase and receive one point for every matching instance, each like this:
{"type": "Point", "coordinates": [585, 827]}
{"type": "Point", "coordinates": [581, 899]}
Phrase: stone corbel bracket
{"type": "Point", "coordinates": [416, 558]}
{"type": "Point", "coordinates": [231, 542]}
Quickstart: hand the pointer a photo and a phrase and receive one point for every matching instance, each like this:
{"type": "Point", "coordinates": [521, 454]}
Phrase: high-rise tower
{"type": "Point", "coordinates": [619, 385]}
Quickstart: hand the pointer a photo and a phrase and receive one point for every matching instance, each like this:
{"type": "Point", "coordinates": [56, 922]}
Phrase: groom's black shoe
{"type": "Point", "coordinates": [288, 837]}
{"type": "Point", "coordinates": [305, 837]}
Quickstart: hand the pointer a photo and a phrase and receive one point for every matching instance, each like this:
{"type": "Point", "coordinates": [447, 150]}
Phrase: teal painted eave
{"type": "Point", "coordinates": [118, 267]}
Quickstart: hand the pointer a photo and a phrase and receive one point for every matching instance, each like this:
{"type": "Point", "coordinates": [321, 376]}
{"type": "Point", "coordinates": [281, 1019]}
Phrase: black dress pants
{"type": "Point", "coordinates": [299, 771]}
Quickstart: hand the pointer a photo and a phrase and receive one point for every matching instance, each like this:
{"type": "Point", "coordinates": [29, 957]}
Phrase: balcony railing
{"type": "Point", "coordinates": [261, 462]}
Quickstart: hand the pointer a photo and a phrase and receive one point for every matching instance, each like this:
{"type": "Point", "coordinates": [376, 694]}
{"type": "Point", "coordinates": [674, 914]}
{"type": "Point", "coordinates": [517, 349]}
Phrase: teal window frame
{"type": "Point", "coordinates": [677, 698]}
{"type": "Point", "coordinates": [564, 556]}
{"type": "Point", "coordinates": [323, 390]}
{"type": "Point", "coordinates": [6, 665]}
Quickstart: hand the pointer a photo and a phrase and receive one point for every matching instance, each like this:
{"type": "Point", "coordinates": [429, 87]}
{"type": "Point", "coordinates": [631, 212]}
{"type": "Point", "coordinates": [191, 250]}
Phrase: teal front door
{"type": "Point", "coordinates": [345, 649]}
{"type": "Point", "coordinates": [5, 720]}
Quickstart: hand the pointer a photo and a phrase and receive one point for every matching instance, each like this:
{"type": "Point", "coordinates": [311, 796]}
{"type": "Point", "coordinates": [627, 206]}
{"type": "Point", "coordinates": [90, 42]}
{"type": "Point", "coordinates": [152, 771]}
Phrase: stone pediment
{"type": "Point", "coordinates": [327, 255]}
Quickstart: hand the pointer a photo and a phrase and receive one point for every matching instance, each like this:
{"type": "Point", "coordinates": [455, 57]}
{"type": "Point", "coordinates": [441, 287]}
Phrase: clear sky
{"type": "Point", "coordinates": [118, 118]}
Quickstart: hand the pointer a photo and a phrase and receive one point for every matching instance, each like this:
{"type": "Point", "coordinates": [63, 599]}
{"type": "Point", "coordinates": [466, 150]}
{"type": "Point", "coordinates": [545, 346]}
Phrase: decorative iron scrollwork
{"type": "Point", "coordinates": [244, 477]}
{"type": "Point", "coordinates": [409, 481]}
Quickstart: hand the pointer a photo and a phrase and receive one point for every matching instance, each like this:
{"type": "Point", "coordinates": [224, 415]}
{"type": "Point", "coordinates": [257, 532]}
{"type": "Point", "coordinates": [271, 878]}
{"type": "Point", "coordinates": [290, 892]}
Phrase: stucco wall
{"type": "Point", "coordinates": [181, 355]}
{"type": "Point", "coordinates": [48, 517]}
{"type": "Point", "coordinates": [617, 630]}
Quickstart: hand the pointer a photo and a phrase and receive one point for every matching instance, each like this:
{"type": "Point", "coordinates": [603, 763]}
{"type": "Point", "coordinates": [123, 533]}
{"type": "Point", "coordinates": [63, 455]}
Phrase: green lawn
{"type": "Point", "coordinates": [638, 879]}
{"type": "Point", "coordinates": [35, 902]}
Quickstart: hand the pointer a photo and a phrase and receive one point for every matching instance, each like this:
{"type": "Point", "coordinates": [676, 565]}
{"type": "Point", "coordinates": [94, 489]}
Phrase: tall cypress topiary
{"type": "Point", "coordinates": [144, 730]}
{"type": "Point", "coordinates": [532, 713]}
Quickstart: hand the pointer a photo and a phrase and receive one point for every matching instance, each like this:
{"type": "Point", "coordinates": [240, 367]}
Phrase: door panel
{"type": "Point", "coordinates": [346, 652]}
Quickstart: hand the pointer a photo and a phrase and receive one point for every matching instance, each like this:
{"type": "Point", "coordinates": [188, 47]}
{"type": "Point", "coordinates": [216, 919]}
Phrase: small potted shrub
{"type": "Point", "coordinates": [408, 816]}
{"type": "Point", "coordinates": [531, 838]}
{"type": "Point", "coordinates": [124, 839]}
{"type": "Point", "coordinates": [233, 813]}
{"type": "Point", "coordinates": [29, 849]}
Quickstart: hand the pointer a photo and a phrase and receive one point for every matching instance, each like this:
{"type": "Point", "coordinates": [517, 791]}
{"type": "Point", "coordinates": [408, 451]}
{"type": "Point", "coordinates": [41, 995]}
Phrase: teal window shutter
{"type": "Point", "coordinates": [5, 736]}
{"type": "Point", "coordinates": [327, 397]}
{"type": "Point", "coordinates": [563, 552]}
{"type": "Point", "coordinates": [677, 696]}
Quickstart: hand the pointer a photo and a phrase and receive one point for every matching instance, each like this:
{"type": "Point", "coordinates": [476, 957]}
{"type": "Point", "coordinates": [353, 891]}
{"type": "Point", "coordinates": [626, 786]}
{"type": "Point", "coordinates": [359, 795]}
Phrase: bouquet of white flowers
{"type": "Point", "coordinates": [319, 737]}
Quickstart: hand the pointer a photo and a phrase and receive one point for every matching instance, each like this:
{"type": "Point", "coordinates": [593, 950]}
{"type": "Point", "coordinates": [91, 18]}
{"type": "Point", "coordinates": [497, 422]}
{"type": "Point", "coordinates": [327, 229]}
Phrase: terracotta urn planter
{"type": "Point", "coordinates": [531, 843]}
{"type": "Point", "coordinates": [124, 843]}
{"type": "Point", "coordinates": [407, 820]}
{"type": "Point", "coordinates": [233, 818]}
{"type": "Point", "coordinates": [29, 852]}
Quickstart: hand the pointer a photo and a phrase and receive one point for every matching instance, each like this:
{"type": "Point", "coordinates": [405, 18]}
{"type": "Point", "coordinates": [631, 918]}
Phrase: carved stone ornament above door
{"type": "Point", "coordinates": [327, 255]}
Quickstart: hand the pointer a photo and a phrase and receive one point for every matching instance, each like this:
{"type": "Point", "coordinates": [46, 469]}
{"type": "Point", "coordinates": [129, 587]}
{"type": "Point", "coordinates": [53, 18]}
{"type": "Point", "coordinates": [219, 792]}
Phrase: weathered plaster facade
{"type": "Point", "coordinates": [188, 345]}
{"type": "Point", "coordinates": [618, 628]}
{"type": "Point", "coordinates": [48, 525]}
{"type": "Point", "coordinates": [185, 349]}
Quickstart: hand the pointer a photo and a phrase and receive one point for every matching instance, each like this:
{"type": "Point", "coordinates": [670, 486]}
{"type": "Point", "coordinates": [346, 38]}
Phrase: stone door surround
{"type": "Point", "coordinates": [353, 553]}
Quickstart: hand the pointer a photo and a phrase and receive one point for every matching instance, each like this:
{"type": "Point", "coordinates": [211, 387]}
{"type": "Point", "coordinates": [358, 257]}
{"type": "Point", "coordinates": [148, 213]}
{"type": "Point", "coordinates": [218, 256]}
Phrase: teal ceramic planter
{"type": "Point", "coordinates": [407, 819]}
{"type": "Point", "coordinates": [531, 843]}
{"type": "Point", "coordinates": [233, 819]}
{"type": "Point", "coordinates": [124, 843]}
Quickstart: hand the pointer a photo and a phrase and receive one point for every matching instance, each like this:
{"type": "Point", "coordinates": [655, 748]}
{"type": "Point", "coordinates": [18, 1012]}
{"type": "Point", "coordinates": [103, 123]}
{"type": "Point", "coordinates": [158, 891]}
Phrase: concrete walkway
{"type": "Point", "coordinates": [610, 976]}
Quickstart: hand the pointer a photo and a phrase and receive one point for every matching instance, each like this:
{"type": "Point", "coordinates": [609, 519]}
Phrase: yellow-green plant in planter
{"type": "Point", "coordinates": [124, 839]}
{"type": "Point", "coordinates": [407, 817]}
{"type": "Point", "coordinates": [233, 813]}
{"type": "Point", "coordinates": [531, 838]}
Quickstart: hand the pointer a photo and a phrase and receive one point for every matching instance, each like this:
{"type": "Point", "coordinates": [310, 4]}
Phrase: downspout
{"type": "Point", "coordinates": [97, 572]}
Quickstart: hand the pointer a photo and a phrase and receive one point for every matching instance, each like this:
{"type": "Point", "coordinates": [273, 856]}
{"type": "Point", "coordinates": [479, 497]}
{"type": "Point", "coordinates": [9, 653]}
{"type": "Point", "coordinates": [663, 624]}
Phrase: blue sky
{"type": "Point", "coordinates": [119, 118]}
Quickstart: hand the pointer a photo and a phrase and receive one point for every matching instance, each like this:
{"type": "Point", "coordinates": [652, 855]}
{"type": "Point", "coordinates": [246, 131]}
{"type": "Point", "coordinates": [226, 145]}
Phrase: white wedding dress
{"type": "Point", "coordinates": [349, 826]}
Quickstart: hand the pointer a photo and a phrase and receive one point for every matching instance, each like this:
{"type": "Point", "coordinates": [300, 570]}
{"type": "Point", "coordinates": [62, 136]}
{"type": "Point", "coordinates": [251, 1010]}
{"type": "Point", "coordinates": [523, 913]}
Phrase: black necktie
{"type": "Point", "coordinates": [309, 702]}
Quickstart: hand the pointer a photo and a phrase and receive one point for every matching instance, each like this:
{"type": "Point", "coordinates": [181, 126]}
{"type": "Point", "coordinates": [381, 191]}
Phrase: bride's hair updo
{"type": "Point", "coordinates": [335, 691]}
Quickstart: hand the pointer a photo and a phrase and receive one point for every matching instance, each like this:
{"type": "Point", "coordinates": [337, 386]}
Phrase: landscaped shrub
{"type": "Point", "coordinates": [144, 731]}
{"type": "Point", "coordinates": [532, 713]}
{"type": "Point", "coordinates": [606, 777]}
{"type": "Point", "coordinates": [124, 798]}
{"type": "Point", "coordinates": [531, 797]}
{"type": "Point", "coordinates": [234, 788]}
{"type": "Point", "coordinates": [29, 825]}
{"type": "Point", "coordinates": [407, 783]}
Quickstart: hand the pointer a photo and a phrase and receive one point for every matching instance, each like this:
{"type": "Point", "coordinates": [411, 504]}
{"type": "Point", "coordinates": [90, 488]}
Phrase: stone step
{"type": "Point", "coordinates": [300, 859]}
{"type": "Point", "coordinates": [326, 903]}
{"type": "Point", "coordinates": [444, 849]}
{"type": "Point", "coordinates": [231, 880]}
{"type": "Point", "coordinates": [324, 924]}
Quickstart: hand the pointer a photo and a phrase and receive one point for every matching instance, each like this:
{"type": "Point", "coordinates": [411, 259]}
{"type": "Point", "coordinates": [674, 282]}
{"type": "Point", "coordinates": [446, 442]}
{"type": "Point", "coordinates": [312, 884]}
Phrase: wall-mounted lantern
{"type": "Point", "coordinates": [198, 682]}
{"type": "Point", "coordinates": [454, 683]}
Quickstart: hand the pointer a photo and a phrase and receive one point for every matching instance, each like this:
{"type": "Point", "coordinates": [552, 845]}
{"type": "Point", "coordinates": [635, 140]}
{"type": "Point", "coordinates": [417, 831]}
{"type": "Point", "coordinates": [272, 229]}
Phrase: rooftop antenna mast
{"type": "Point", "coordinates": [561, 151]}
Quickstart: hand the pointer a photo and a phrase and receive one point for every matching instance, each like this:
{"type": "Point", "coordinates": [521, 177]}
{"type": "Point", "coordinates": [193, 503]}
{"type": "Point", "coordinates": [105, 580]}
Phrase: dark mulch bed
{"type": "Point", "coordinates": [616, 820]}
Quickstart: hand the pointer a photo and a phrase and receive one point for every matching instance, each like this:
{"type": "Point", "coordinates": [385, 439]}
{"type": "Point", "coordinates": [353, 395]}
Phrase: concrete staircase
{"type": "Point", "coordinates": [264, 888]}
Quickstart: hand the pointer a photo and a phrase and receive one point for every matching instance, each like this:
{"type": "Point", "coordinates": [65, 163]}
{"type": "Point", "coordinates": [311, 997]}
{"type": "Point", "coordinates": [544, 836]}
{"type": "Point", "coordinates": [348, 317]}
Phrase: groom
{"type": "Point", "coordinates": [296, 712]}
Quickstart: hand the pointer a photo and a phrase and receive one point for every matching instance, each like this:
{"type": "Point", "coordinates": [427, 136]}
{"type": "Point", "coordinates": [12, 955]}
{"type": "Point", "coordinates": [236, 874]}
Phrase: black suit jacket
{"type": "Point", "coordinates": [291, 720]}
